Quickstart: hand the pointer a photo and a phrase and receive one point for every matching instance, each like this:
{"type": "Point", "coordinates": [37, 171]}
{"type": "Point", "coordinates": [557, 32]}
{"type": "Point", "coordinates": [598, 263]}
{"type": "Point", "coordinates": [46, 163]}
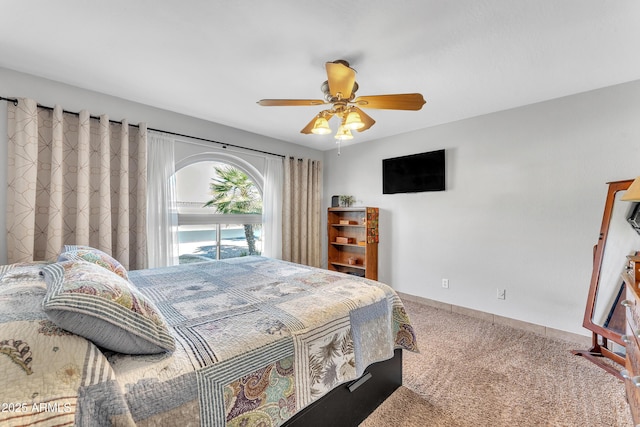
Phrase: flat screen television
{"type": "Point", "coordinates": [414, 173]}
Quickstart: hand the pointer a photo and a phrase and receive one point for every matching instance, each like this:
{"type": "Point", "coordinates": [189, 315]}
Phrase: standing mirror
{"type": "Point", "coordinates": [604, 315]}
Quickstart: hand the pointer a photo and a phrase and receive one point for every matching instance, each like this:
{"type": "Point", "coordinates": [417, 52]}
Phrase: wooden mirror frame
{"type": "Point", "coordinates": [600, 334]}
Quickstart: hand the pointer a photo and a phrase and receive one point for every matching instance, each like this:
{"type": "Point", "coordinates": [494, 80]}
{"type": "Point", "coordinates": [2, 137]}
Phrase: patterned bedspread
{"type": "Point", "coordinates": [256, 341]}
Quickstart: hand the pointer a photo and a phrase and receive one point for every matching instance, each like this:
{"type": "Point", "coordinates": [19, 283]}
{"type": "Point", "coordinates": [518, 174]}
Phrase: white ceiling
{"type": "Point", "coordinates": [213, 59]}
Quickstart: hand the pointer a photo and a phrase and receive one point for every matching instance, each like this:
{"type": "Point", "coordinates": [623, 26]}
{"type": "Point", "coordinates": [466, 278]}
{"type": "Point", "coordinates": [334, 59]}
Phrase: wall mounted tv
{"type": "Point", "coordinates": [414, 173]}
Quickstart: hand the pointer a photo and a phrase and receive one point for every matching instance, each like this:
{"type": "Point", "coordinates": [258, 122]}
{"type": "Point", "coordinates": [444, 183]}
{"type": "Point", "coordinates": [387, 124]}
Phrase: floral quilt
{"type": "Point", "coordinates": [257, 340]}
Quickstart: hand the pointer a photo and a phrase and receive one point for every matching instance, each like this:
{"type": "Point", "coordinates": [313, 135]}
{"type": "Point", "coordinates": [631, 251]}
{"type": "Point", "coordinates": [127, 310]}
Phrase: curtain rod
{"type": "Point", "coordinates": [224, 144]}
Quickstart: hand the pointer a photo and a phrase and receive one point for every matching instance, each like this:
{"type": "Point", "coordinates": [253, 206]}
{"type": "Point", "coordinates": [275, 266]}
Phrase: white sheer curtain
{"type": "Point", "coordinates": [74, 179]}
{"type": "Point", "coordinates": [301, 235]}
{"type": "Point", "coordinates": [162, 213]}
{"type": "Point", "coordinates": [272, 208]}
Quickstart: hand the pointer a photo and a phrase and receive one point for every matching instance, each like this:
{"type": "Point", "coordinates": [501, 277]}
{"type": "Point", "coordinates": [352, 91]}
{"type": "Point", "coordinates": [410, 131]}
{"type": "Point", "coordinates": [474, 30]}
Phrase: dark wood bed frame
{"type": "Point", "coordinates": [350, 403]}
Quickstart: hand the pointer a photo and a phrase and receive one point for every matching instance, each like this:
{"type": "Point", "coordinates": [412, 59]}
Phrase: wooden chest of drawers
{"type": "Point", "coordinates": [631, 373]}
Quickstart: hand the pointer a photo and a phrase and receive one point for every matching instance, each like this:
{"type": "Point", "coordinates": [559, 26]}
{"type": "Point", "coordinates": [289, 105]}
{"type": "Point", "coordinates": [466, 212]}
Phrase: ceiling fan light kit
{"type": "Point", "coordinates": [321, 126]}
{"type": "Point", "coordinates": [353, 121]}
{"type": "Point", "coordinates": [339, 92]}
{"type": "Point", "coordinates": [343, 134]}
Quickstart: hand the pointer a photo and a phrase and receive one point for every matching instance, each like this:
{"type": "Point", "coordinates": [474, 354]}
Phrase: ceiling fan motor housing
{"type": "Point", "coordinates": [330, 98]}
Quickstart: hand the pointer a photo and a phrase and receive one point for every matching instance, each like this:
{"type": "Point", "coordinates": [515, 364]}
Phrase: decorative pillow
{"type": "Point", "coordinates": [95, 256]}
{"type": "Point", "coordinates": [101, 306]}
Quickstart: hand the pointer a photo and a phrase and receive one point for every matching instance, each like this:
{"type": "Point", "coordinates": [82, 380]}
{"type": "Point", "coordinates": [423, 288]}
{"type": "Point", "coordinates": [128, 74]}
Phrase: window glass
{"type": "Point", "coordinates": [219, 212]}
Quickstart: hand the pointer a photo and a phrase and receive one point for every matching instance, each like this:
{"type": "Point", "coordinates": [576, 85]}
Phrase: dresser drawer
{"type": "Point", "coordinates": [632, 347]}
{"type": "Point", "coordinates": [632, 311]}
{"type": "Point", "coordinates": [632, 383]}
{"type": "Point", "coordinates": [632, 350]}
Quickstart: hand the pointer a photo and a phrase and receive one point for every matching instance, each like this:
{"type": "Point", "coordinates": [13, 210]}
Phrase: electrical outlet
{"type": "Point", "coordinates": [445, 283]}
{"type": "Point", "coordinates": [502, 293]}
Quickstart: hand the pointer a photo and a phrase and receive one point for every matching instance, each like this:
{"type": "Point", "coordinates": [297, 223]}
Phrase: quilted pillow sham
{"type": "Point", "coordinates": [93, 255]}
{"type": "Point", "coordinates": [95, 303]}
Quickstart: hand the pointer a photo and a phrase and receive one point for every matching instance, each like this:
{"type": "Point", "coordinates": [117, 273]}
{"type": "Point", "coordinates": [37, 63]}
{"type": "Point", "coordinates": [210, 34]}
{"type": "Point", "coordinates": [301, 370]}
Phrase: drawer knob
{"type": "Point", "coordinates": [625, 374]}
{"type": "Point", "coordinates": [627, 303]}
{"type": "Point", "coordinates": [625, 339]}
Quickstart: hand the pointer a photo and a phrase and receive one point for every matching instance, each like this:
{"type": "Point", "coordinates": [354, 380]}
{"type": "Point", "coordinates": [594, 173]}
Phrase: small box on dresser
{"type": "Point", "coordinates": [345, 240]}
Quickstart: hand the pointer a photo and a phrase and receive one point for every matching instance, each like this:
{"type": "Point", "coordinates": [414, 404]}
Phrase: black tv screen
{"type": "Point", "coordinates": [414, 173]}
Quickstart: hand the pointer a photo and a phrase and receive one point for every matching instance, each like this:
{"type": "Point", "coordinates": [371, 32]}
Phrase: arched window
{"type": "Point", "coordinates": [219, 200]}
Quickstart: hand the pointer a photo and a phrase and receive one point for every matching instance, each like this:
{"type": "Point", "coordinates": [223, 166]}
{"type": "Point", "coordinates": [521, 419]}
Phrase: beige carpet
{"type": "Point", "coordinates": [474, 373]}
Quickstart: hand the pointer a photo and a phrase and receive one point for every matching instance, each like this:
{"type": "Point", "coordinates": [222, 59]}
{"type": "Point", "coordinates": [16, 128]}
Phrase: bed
{"type": "Point", "coordinates": [240, 342]}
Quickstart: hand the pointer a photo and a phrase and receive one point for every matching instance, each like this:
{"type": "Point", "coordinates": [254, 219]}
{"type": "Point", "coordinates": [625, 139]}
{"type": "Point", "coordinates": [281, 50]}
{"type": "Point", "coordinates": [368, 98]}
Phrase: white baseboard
{"type": "Point", "coordinates": [583, 340]}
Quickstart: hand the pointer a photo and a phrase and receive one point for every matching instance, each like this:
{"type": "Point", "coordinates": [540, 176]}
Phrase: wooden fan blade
{"type": "Point", "coordinates": [341, 79]}
{"type": "Point", "coordinates": [366, 119]}
{"type": "Point", "coordinates": [309, 126]}
{"type": "Point", "coordinates": [402, 101]}
{"type": "Point", "coordinates": [290, 102]}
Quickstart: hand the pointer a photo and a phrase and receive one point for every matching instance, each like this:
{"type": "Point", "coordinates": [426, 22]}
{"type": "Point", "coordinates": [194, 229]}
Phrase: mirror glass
{"type": "Point", "coordinates": [621, 240]}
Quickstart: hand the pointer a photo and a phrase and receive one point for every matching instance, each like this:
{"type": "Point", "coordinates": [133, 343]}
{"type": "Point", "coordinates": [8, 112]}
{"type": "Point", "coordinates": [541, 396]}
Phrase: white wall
{"type": "Point", "coordinates": [522, 211]}
{"type": "Point", "coordinates": [47, 92]}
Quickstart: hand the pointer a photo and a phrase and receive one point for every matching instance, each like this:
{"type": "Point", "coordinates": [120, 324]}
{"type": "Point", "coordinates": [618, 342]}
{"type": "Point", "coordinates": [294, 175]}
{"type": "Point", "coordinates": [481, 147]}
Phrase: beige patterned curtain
{"type": "Point", "coordinates": [301, 231]}
{"type": "Point", "coordinates": [73, 179]}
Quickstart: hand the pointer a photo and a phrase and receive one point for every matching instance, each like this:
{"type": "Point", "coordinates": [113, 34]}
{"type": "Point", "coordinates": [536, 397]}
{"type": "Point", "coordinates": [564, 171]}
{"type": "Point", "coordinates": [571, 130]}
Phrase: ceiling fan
{"type": "Point", "coordinates": [340, 93]}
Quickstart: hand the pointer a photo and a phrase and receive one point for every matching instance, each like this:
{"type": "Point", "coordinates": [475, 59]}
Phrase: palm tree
{"type": "Point", "coordinates": [234, 193]}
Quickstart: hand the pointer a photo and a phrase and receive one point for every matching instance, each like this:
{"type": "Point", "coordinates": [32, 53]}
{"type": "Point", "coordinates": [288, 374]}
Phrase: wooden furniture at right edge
{"type": "Point", "coordinates": [615, 324]}
{"type": "Point", "coordinates": [603, 292]}
{"type": "Point", "coordinates": [631, 373]}
{"type": "Point", "coordinates": [353, 241]}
